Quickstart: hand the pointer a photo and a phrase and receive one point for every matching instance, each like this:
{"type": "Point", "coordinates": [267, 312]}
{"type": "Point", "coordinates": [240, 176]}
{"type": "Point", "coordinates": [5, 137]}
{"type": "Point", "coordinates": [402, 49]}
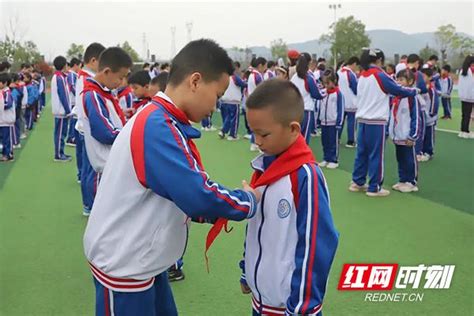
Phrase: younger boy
{"type": "Point", "coordinates": [431, 115]}
{"type": "Point", "coordinates": [348, 86]}
{"type": "Point", "coordinates": [32, 93]}
{"type": "Point", "coordinates": [7, 118]}
{"type": "Point", "coordinates": [140, 84]}
{"type": "Point", "coordinates": [71, 78]}
{"type": "Point", "coordinates": [446, 83]}
{"type": "Point", "coordinates": [158, 83]}
{"type": "Point", "coordinates": [291, 240]}
{"type": "Point", "coordinates": [152, 183]}
{"type": "Point", "coordinates": [61, 107]}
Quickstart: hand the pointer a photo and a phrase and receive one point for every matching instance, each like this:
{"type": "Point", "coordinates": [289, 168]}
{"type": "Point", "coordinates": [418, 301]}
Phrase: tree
{"type": "Point", "coordinates": [278, 48]}
{"type": "Point", "coordinates": [17, 52]}
{"type": "Point", "coordinates": [75, 50]}
{"type": "Point", "coordinates": [426, 52]}
{"type": "Point", "coordinates": [444, 37]}
{"type": "Point", "coordinates": [132, 52]}
{"type": "Point", "coordinates": [347, 38]}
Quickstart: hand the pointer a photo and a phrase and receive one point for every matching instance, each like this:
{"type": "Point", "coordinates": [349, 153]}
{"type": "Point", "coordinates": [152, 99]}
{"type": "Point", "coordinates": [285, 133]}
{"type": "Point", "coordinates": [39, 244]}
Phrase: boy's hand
{"type": "Point", "coordinates": [410, 143]}
{"type": "Point", "coordinates": [245, 288]}
{"type": "Point", "coordinates": [248, 188]}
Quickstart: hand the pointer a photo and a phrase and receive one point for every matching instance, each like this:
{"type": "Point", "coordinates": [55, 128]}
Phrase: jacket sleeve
{"type": "Point", "coordinates": [389, 86]}
{"type": "Point", "coordinates": [434, 102]}
{"type": "Point", "coordinates": [313, 88]}
{"type": "Point", "coordinates": [102, 128]}
{"type": "Point", "coordinates": [63, 95]}
{"type": "Point", "coordinates": [352, 82]}
{"type": "Point", "coordinates": [239, 82]}
{"type": "Point", "coordinates": [340, 109]}
{"type": "Point", "coordinates": [414, 119]}
{"type": "Point", "coordinates": [316, 246]}
{"type": "Point", "coordinates": [420, 83]}
{"type": "Point", "coordinates": [171, 171]}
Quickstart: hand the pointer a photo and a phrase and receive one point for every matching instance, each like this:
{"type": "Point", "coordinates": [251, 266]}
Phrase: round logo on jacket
{"type": "Point", "coordinates": [284, 208]}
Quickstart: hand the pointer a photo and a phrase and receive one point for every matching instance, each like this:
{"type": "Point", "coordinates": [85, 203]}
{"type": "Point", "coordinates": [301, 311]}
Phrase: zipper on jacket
{"type": "Point", "coordinates": [262, 204]}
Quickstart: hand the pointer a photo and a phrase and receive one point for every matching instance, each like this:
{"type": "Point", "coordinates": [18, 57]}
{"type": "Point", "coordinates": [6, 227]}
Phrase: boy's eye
{"type": "Point", "coordinates": [265, 135]}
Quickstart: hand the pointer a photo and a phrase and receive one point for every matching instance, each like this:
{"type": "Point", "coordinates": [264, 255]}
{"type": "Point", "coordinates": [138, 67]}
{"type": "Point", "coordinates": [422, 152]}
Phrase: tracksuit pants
{"type": "Point", "coordinates": [79, 152]}
{"type": "Point", "coordinates": [71, 133]}
{"type": "Point", "coordinates": [330, 142]}
{"type": "Point", "coordinates": [231, 122]}
{"type": "Point", "coordinates": [429, 140]}
{"type": "Point", "coordinates": [308, 121]}
{"type": "Point", "coordinates": [420, 140]}
{"type": "Point", "coordinates": [370, 155]}
{"type": "Point", "coordinates": [7, 140]}
{"type": "Point", "coordinates": [156, 301]}
{"type": "Point", "coordinates": [407, 164]}
{"type": "Point", "coordinates": [89, 181]}
{"type": "Point", "coordinates": [446, 102]}
{"type": "Point", "coordinates": [207, 122]}
{"type": "Point", "coordinates": [350, 122]}
{"type": "Point", "coordinates": [60, 131]}
{"type": "Point", "coordinates": [29, 117]}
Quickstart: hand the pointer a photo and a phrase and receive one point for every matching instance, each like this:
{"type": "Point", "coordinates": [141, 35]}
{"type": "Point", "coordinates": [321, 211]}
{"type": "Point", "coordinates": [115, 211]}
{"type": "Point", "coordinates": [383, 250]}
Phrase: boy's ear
{"type": "Point", "coordinates": [295, 127]}
{"type": "Point", "coordinates": [194, 80]}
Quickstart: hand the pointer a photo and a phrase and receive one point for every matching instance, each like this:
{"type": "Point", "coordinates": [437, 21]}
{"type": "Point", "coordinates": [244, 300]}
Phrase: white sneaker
{"type": "Point", "coordinates": [230, 138]}
{"type": "Point", "coordinates": [212, 129]}
{"type": "Point", "coordinates": [381, 193]}
{"type": "Point", "coordinates": [463, 135]}
{"type": "Point", "coordinates": [323, 163]}
{"type": "Point", "coordinates": [253, 147]}
{"type": "Point", "coordinates": [332, 165]}
{"type": "Point", "coordinates": [23, 136]}
{"type": "Point", "coordinates": [425, 157]}
{"type": "Point", "coordinates": [248, 136]}
{"type": "Point", "coordinates": [17, 146]}
{"type": "Point", "coordinates": [419, 158]}
{"type": "Point", "coordinates": [407, 187]}
{"type": "Point", "coordinates": [350, 145]}
{"type": "Point", "coordinates": [470, 135]}
{"type": "Point", "coordinates": [354, 187]}
{"type": "Point", "coordinates": [221, 134]}
{"type": "Point", "coordinates": [396, 186]}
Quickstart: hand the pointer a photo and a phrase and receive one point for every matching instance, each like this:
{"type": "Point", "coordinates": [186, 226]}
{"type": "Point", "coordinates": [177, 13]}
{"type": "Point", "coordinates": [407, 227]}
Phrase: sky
{"type": "Point", "coordinates": [54, 25]}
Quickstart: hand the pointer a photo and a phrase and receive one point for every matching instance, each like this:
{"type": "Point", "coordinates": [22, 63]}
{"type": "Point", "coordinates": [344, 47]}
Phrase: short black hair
{"type": "Point", "coordinates": [204, 56]}
{"type": "Point", "coordinates": [236, 64]}
{"type": "Point", "coordinates": [27, 75]}
{"type": "Point", "coordinates": [321, 59]}
{"type": "Point", "coordinates": [404, 57]}
{"type": "Point", "coordinates": [161, 80]}
{"type": "Point", "coordinates": [413, 58]}
{"type": "Point", "coordinates": [282, 96]}
{"type": "Point", "coordinates": [74, 61]}
{"type": "Point", "coordinates": [270, 64]}
{"type": "Point", "coordinates": [331, 75]}
{"type": "Point", "coordinates": [5, 65]}
{"type": "Point", "coordinates": [114, 58]}
{"type": "Point", "coordinates": [427, 71]}
{"type": "Point", "coordinates": [447, 68]}
{"type": "Point", "coordinates": [407, 74]}
{"type": "Point", "coordinates": [164, 66]}
{"type": "Point", "coordinates": [433, 57]}
{"type": "Point", "coordinates": [353, 60]}
{"type": "Point", "coordinates": [93, 51]}
{"type": "Point", "coordinates": [15, 77]}
{"type": "Point", "coordinates": [59, 62]}
{"type": "Point", "coordinates": [145, 65]}
{"type": "Point", "coordinates": [5, 78]}
{"type": "Point", "coordinates": [141, 78]}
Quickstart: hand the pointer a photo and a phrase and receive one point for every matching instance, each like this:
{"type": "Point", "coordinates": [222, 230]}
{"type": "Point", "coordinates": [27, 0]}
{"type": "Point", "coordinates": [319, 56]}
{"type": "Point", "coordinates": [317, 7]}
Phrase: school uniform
{"type": "Point", "coordinates": [404, 125]}
{"type": "Point", "coordinates": [348, 86]}
{"type": "Point", "coordinates": [130, 275]}
{"type": "Point", "coordinates": [255, 78]}
{"type": "Point", "coordinates": [230, 101]}
{"type": "Point", "coordinates": [85, 172]}
{"type": "Point", "coordinates": [466, 95]}
{"type": "Point", "coordinates": [42, 92]}
{"type": "Point", "coordinates": [17, 95]}
{"type": "Point", "coordinates": [32, 101]}
{"type": "Point", "coordinates": [431, 115]}
{"type": "Point", "coordinates": [373, 94]}
{"type": "Point", "coordinates": [309, 91]}
{"type": "Point", "coordinates": [269, 74]}
{"type": "Point", "coordinates": [125, 97]}
{"type": "Point", "coordinates": [71, 82]}
{"type": "Point", "coordinates": [331, 116]}
{"type": "Point", "coordinates": [446, 83]}
{"type": "Point", "coordinates": [291, 240]}
{"type": "Point", "coordinates": [61, 108]}
{"type": "Point", "coordinates": [7, 121]}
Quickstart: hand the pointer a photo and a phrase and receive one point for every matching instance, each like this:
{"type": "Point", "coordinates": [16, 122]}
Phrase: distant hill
{"type": "Point", "coordinates": [390, 41]}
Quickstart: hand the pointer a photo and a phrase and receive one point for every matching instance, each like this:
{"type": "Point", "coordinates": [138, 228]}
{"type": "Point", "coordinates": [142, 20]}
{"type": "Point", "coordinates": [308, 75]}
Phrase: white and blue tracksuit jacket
{"type": "Point", "coordinates": [331, 112]}
{"type": "Point", "coordinates": [7, 108]}
{"type": "Point", "coordinates": [151, 185]}
{"type": "Point", "coordinates": [60, 102]}
{"type": "Point", "coordinates": [290, 243]}
{"type": "Point", "coordinates": [373, 95]}
{"type": "Point", "coordinates": [404, 123]}
{"type": "Point", "coordinates": [446, 83]}
{"type": "Point", "coordinates": [432, 105]}
{"type": "Point", "coordinates": [309, 90]}
{"type": "Point", "coordinates": [348, 85]}
{"type": "Point", "coordinates": [255, 78]}
{"type": "Point", "coordinates": [71, 81]}
{"type": "Point", "coordinates": [233, 94]}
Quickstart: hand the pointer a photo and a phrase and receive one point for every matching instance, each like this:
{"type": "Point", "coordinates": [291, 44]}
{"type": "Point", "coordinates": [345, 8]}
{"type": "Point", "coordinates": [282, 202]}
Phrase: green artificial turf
{"type": "Point", "coordinates": [43, 270]}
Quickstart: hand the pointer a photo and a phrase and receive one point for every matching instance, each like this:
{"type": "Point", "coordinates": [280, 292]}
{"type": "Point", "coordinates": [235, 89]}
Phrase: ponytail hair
{"type": "Point", "coordinates": [302, 65]}
{"type": "Point", "coordinates": [468, 61]}
{"type": "Point", "coordinates": [370, 56]}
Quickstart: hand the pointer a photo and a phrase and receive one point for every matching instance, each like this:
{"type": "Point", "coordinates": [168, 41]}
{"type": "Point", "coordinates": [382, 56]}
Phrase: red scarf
{"type": "Point", "coordinates": [83, 73]}
{"type": "Point", "coordinates": [141, 103]}
{"type": "Point", "coordinates": [124, 92]}
{"type": "Point", "coordinates": [290, 161]}
{"type": "Point", "coordinates": [93, 86]}
{"type": "Point", "coordinates": [395, 104]}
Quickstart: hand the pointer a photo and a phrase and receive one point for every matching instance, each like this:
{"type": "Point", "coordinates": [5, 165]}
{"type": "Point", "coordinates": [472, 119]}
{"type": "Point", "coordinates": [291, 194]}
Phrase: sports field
{"type": "Point", "coordinates": [43, 270]}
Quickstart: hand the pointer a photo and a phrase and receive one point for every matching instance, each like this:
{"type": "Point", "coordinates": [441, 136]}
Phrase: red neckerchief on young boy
{"type": "Point", "coordinates": [139, 103]}
{"type": "Point", "coordinates": [93, 86]}
{"type": "Point", "coordinates": [124, 92]}
{"type": "Point", "coordinates": [83, 73]}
